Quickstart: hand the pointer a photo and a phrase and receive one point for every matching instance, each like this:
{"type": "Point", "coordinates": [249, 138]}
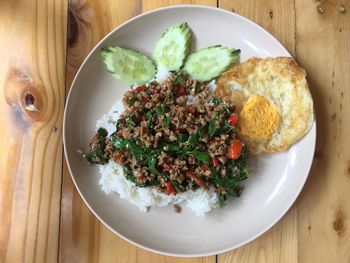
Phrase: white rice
{"type": "Point", "coordinates": [113, 181]}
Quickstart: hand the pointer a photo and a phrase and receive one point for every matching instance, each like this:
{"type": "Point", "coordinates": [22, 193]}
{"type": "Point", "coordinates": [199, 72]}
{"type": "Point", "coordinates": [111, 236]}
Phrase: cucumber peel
{"type": "Point", "coordinates": [208, 63]}
{"type": "Point", "coordinates": [128, 65]}
{"type": "Point", "coordinates": [173, 47]}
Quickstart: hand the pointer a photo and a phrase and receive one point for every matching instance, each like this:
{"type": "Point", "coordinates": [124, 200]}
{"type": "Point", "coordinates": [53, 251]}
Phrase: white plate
{"type": "Point", "coordinates": [275, 180]}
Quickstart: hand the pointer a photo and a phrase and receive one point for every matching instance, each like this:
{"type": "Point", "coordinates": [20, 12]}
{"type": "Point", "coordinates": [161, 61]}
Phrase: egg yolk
{"type": "Point", "coordinates": [258, 118]}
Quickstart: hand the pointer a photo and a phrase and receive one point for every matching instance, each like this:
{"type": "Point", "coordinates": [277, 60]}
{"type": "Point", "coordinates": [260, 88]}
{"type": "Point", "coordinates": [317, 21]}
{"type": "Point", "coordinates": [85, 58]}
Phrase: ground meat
{"type": "Point", "coordinates": [177, 209]}
{"type": "Point", "coordinates": [173, 132]}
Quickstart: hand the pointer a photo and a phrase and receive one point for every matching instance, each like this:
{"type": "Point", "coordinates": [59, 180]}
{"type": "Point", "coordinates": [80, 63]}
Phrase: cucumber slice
{"type": "Point", "coordinates": [207, 63]}
{"type": "Point", "coordinates": [128, 65]}
{"type": "Point", "coordinates": [173, 46]}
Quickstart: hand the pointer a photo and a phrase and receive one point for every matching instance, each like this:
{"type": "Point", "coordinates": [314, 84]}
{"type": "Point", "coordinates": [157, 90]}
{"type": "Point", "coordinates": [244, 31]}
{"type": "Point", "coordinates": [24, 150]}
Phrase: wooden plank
{"type": "Point", "coordinates": [32, 61]}
{"type": "Point", "coordinates": [153, 4]}
{"type": "Point", "coordinates": [280, 243]}
{"type": "Point", "coordinates": [323, 48]}
{"type": "Point", "coordinates": [83, 238]}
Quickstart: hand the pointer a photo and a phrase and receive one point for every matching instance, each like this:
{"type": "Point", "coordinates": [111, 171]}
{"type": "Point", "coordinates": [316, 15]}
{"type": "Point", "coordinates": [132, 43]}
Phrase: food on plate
{"type": "Point", "coordinates": [170, 140]}
{"type": "Point", "coordinates": [177, 141]}
{"type": "Point", "coordinates": [273, 101]}
{"type": "Point", "coordinates": [177, 137]}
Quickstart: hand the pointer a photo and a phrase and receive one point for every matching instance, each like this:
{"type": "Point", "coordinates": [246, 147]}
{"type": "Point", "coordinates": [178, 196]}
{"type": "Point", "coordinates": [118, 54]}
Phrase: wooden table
{"type": "Point", "coordinates": [43, 218]}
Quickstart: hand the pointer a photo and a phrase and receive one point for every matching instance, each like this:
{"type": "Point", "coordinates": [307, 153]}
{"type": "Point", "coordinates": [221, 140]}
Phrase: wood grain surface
{"type": "Point", "coordinates": [32, 71]}
{"type": "Point", "coordinates": [43, 218]}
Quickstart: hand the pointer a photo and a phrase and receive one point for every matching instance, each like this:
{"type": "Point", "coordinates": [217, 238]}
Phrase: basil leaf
{"type": "Point", "coordinates": [167, 122]}
{"type": "Point", "coordinates": [119, 143]}
{"type": "Point", "coordinates": [96, 156]}
{"type": "Point", "coordinates": [212, 127]}
{"type": "Point", "coordinates": [160, 110]}
{"type": "Point", "coordinates": [179, 186]}
{"type": "Point", "coordinates": [183, 137]}
{"type": "Point", "coordinates": [132, 101]}
{"type": "Point", "coordinates": [202, 156]}
{"type": "Point", "coordinates": [193, 139]}
{"type": "Point", "coordinates": [102, 132]}
{"type": "Point", "coordinates": [202, 131]}
{"type": "Point", "coordinates": [222, 200]}
{"type": "Point", "coordinates": [150, 119]}
{"type": "Point", "coordinates": [130, 122]}
{"type": "Point", "coordinates": [216, 101]}
{"type": "Point", "coordinates": [131, 177]}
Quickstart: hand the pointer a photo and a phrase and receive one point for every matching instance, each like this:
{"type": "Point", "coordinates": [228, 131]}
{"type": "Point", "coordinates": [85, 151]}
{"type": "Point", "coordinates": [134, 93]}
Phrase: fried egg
{"type": "Point", "coordinates": [273, 100]}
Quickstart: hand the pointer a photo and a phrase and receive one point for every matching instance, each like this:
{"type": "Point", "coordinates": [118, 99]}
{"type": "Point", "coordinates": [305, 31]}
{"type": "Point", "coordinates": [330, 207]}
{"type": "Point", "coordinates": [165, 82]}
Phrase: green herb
{"type": "Point", "coordinates": [179, 186]}
{"type": "Point", "coordinates": [150, 119]}
{"type": "Point", "coordinates": [147, 157]}
{"type": "Point", "coordinates": [102, 132]}
{"type": "Point", "coordinates": [131, 177]}
{"type": "Point", "coordinates": [96, 155]}
{"type": "Point", "coordinates": [119, 143]}
{"type": "Point", "coordinates": [216, 101]}
{"type": "Point", "coordinates": [167, 121]}
{"type": "Point", "coordinates": [183, 137]}
{"type": "Point", "coordinates": [196, 89]}
{"type": "Point", "coordinates": [175, 148]}
{"type": "Point", "coordinates": [179, 78]}
{"type": "Point", "coordinates": [222, 199]}
{"type": "Point", "coordinates": [236, 172]}
{"type": "Point", "coordinates": [144, 111]}
{"type": "Point", "coordinates": [216, 125]}
{"type": "Point", "coordinates": [226, 128]}
{"type": "Point", "coordinates": [202, 156]}
{"type": "Point", "coordinates": [193, 140]}
{"type": "Point", "coordinates": [176, 80]}
{"type": "Point", "coordinates": [212, 126]}
{"type": "Point", "coordinates": [119, 121]}
{"type": "Point", "coordinates": [132, 101]}
{"type": "Point", "coordinates": [129, 122]}
{"type": "Point", "coordinates": [160, 110]}
{"type": "Point", "coordinates": [202, 131]}
{"type": "Point", "coordinates": [152, 167]}
{"type": "Point", "coordinates": [226, 183]}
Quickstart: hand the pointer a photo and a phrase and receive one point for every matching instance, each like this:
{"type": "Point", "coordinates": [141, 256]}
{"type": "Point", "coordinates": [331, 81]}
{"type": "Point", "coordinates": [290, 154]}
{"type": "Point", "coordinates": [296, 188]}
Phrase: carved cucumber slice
{"type": "Point", "coordinates": [208, 63]}
{"type": "Point", "coordinates": [172, 47]}
{"type": "Point", "coordinates": [130, 66]}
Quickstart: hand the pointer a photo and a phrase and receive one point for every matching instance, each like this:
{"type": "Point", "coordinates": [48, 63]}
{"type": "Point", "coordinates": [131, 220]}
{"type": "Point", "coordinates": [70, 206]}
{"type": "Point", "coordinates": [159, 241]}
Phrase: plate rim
{"type": "Point", "coordinates": [312, 132]}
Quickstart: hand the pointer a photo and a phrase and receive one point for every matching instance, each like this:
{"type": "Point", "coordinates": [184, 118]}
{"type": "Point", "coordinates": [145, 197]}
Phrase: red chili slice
{"type": "Point", "coordinates": [214, 161]}
{"type": "Point", "coordinates": [196, 179]}
{"type": "Point", "coordinates": [169, 188]}
{"type": "Point", "coordinates": [141, 88]}
{"type": "Point", "coordinates": [235, 149]}
{"type": "Point", "coordinates": [117, 157]}
{"type": "Point", "coordinates": [179, 90]}
{"type": "Point", "coordinates": [192, 109]}
{"type": "Point", "coordinates": [119, 134]}
{"type": "Point", "coordinates": [233, 120]}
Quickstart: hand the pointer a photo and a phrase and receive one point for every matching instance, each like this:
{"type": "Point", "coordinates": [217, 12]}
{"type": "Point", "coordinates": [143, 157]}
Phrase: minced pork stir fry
{"type": "Point", "coordinates": [175, 136]}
